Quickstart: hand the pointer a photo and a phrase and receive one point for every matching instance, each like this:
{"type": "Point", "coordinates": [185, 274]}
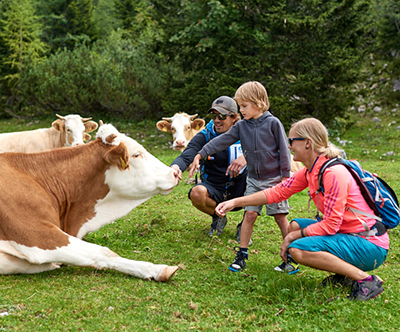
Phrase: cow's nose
{"type": "Point", "coordinates": [180, 143]}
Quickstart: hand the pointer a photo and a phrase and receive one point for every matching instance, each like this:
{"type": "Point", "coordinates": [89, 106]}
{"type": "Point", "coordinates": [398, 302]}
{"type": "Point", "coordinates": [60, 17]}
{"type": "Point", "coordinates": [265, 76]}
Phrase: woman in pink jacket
{"type": "Point", "coordinates": [332, 243]}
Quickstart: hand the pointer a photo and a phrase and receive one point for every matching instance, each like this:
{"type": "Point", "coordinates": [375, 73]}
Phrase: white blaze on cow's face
{"type": "Point", "coordinates": [73, 129]}
{"type": "Point", "coordinates": [146, 176]}
{"type": "Point", "coordinates": [180, 127]}
{"type": "Point", "coordinates": [183, 128]}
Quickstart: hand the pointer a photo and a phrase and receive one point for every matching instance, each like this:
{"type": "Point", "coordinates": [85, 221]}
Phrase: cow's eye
{"type": "Point", "coordinates": [188, 128]}
{"type": "Point", "coordinates": [137, 155]}
{"type": "Point", "coordinates": [173, 130]}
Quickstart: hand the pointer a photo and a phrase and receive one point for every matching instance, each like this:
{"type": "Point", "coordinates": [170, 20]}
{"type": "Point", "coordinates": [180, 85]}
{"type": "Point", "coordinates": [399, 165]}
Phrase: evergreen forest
{"type": "Point", "coordinates": [144, 59]}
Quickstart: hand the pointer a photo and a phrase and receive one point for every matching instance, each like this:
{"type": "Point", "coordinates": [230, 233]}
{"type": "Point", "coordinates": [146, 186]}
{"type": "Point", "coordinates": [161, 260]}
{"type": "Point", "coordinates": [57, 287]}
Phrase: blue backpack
{"type": "Point", "coordinates": [379, 196]}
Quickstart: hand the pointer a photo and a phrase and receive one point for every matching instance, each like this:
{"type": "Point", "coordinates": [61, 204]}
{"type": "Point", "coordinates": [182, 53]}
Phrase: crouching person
{"type": "Point", "coordinates": [336, 243]}
{"type": "Point", "coordinates": [223, 175]}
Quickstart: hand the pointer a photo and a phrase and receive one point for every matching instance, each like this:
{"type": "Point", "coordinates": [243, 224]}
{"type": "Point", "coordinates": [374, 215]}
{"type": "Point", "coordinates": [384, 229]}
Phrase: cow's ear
{"type": "Point", "coordinates": [90, 126]}
{"type": "Point", "coordinates": [110, 138]}
{"type": "Point", "coordinates": [118, 156]}
{"type": "Point", "coordinates": [86, 137]}
{"type": "Point", "coordinates": [197, 124]}
{"type": "Point", "coordinates": [164, 125]}
{"type": "Point", "coordinates": [58, 125]}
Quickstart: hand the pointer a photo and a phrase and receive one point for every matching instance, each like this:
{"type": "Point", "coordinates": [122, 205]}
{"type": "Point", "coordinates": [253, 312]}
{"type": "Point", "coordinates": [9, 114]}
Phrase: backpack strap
{"type": "Point", "coordinates": [375, 230]}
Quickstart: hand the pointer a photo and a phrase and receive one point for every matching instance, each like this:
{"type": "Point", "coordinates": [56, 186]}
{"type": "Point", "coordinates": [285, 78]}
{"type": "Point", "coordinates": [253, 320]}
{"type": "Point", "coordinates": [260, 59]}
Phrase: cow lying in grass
{"type": "Point", "coordinates": [53, 199]}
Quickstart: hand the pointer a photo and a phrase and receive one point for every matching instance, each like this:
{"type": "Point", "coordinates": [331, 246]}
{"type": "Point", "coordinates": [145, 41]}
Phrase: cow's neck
{"type": "Point", "coordinates": [74, 193]}
{"type": "Point", "coordinates": [107, 210]}
{"type": "Point", "coordinates": [56, 139]}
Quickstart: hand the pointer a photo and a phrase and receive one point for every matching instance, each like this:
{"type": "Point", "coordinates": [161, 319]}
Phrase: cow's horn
{"type": "Point", "coordinates": [61, 117]}
{"type": "Point", "coordinates": [101, 122]}
{"type": "Point", "coordinates": [167, 119]}
{"type": "Point", "coordinates": [86, 119]}
{"type": "Point", "coordinates": [192, 116]}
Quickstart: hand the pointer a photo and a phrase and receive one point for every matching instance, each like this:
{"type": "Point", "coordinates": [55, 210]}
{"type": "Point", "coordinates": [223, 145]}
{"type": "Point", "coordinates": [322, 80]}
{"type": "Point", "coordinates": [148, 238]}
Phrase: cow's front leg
{"type": "Point", "coordinates": [81, 253]}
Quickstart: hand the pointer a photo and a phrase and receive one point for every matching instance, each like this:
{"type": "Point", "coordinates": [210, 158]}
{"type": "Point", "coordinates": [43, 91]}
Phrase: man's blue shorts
{"type": "Point", "coordinates": [221, 193]}
{"type": "Point", "coordinates": [351, 248]}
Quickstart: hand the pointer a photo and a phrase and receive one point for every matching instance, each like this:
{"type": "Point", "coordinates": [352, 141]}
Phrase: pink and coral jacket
{"type": "Point", "coordinates": [341, 191]}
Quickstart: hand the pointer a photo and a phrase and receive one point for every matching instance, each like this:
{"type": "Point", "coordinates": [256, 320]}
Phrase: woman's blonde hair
{"type": "Point", "coordinates": [253, 92]}
{"type": "Point", "coordinates": [314, 130]}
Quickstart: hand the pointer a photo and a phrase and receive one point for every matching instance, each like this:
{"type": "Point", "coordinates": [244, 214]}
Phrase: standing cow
{"type": "Point", "coordinates": [53, 199]}
{"type": "Point", "coordinates": [183, 127]}
{"type": "Point", "coordinates": [70, 130]}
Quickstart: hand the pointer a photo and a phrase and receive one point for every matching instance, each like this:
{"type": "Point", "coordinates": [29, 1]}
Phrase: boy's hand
{"type": "Point", "coordinates": [177, 172]}
{"type": "Point", "coordinates": [236, 166]}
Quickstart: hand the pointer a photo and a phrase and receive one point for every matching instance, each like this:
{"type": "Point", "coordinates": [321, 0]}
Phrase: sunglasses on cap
{"type": "Point", "coordinates": [220, 116]}
{"type": "Point", "coordinates": [290, 140]}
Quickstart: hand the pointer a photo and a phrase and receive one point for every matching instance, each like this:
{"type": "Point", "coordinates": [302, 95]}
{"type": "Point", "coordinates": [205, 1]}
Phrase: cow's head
{"type": "Point", "coordinates": [183, 128]}
{"type": "Point", "coordinates": [138, 175]}
{"type": "Point", "coordinates": [74, 129]}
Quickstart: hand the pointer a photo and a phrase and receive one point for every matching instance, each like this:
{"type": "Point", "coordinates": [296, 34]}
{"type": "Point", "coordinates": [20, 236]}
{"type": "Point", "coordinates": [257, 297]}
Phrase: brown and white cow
{"type": "Point", "coordinates": [183, 127]}
{"type": "Point", "coordinates": [70, 130]}
{"type": "Point", "coordinates": [52, 199]}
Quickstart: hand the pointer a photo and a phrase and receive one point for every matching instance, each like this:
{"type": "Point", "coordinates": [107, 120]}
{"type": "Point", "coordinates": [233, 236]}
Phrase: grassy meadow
{"type": "Point", "coordinates": [204, 295]}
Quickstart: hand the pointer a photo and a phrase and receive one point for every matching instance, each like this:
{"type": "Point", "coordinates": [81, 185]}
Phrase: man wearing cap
{"type": "Point", "coordinates": [223, 175]}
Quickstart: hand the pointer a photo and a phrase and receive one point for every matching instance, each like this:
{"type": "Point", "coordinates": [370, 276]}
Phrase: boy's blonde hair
{"type": "Point", "coordinates": [253, 92]}
{"type": "Point", "coordinates": [314, 130]}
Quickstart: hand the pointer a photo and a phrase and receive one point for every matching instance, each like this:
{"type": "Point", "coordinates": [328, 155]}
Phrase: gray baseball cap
{"type": "Point", "coordinates": [224, 105]}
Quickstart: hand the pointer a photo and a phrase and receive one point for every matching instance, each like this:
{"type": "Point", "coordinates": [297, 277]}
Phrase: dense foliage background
{"type": "Point", "coordinates": [143, 59]}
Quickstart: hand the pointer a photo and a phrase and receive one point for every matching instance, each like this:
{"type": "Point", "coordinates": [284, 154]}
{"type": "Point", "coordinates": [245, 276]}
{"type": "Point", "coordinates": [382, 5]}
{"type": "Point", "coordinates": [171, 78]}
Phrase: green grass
{"type": "Point", "coordinates": [204, 295]}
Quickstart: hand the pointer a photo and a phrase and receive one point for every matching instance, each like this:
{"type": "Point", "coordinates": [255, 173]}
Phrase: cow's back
{"type": "Point", "coordinates": [30, 141]}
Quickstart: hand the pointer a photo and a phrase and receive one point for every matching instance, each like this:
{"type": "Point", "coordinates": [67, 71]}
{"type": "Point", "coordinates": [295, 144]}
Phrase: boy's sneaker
{"type": "Point", "coordinates": [366, 290]}
{"type": "Point", "coordinates": [336, 279]}
{"type": "Point", "coordinates": [239, 262]}
{"type": "Point", "coordinates": [291, 267]}
{"type": "Point", "coordinates": [221, 225]}
{"type": "Point", "coordinates": [238, 231]}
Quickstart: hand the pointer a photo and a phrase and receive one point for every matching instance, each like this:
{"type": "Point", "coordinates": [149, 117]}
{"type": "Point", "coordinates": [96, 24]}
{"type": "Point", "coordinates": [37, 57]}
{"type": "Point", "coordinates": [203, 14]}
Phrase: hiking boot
{"type": "Point", "coordinates": [366, 290]}
{"type": "Point", "coordinates": [239, 262]}
{"type": "Point", "coordinates": [336, 279]}
{"type": "Point", "coordinates": [221, 225]}
{"type": "Point", "coordinates": [291, 267]}
{"type": "Point", "coordinates": [238, 231]}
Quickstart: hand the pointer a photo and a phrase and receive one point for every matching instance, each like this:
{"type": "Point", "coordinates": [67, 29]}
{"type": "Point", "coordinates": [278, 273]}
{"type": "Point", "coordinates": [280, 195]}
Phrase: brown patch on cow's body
{"type": "Point", "coordinates": [43, 193]}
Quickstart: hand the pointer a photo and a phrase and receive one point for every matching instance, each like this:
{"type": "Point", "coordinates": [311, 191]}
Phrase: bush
{"type": "Point", "coordinates": [113, 78]}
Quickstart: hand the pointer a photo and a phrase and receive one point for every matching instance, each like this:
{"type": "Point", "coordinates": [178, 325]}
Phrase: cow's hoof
{"type": "Point", "coordinates": [166, 273]}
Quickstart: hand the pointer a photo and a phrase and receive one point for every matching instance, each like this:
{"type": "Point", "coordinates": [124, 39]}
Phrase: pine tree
{"type": "Point", "coordinates": [67, 22]}
{"type": "Point", "coordinates": [133, 13]}
{"type": "Point", "coordinates": [20, 35]}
